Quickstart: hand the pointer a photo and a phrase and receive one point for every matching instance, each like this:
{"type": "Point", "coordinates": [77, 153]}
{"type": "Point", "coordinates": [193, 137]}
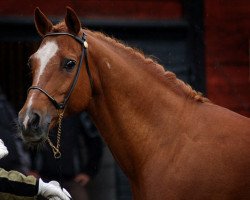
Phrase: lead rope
{"type": "Point", "coordinates": [56, 148]}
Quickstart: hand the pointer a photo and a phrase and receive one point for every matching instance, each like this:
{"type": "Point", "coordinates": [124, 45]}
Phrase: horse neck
{"type": "Point", "coordinates": [133, 109]}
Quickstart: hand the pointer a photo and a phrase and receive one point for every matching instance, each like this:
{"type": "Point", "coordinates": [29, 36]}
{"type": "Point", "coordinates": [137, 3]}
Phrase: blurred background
{"type": "Point", "coordinates": [205, 42]}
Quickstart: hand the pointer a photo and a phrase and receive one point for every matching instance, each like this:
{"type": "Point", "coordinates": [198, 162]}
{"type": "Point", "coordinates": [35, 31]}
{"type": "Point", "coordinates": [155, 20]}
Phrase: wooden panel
{"type": "Point", "coordinates": [230, 87]}
{"type": "Point", "coordinates": [147, 9]}
{"type": "Point", "coordinates": [228, 30]}
{"type": "Point", "coordinates": [227, 39]}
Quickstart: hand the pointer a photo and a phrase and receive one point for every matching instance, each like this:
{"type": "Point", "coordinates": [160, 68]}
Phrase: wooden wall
{"type": "Point", "coordinates": [227, 42]}
{"type": "Point", "coordinates": [138, 9]}
{"type": "Point", "coordinates": [227, 36]}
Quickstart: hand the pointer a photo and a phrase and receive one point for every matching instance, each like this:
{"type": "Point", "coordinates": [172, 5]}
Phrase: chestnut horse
{"type": "Point", "coordinates": [171, 142]}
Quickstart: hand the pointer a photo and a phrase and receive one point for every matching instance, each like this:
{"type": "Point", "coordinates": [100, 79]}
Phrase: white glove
{"type": "Point", "coordinates": [3, 149]}
{"type": "Point", "coordinates": [52, 191]}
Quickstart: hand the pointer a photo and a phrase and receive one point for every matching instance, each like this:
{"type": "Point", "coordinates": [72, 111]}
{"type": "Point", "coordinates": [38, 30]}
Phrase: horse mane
{"type": "Point", "coordinates": [170, 77]}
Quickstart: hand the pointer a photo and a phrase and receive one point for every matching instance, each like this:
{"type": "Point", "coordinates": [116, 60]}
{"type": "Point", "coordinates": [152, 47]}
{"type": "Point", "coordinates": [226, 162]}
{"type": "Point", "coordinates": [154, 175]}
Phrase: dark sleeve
{"type": "Point", "coordinates": [7, 113]}
{"type": "Point", "coordinates": [33, 159]}
{"type": "Point", "coordinates": [93, 144]}
{"type": "Point", "coordinates": [15, 183]}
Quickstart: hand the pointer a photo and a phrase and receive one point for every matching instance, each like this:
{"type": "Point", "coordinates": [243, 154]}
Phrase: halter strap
{"type": "Point", "coordinates": [55, 103]}
{"type": "Point", "coordinates": [80, 40]}
{"type": "Point", "coordinates": [84, 45]}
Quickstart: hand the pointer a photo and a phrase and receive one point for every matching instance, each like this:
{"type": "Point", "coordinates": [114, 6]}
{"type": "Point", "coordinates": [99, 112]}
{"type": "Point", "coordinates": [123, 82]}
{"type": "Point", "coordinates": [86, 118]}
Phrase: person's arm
{"type": "Point", "coordinates": [15, 184]}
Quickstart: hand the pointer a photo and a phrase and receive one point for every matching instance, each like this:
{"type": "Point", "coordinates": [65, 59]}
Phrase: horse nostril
{"type": "Point", "coordinates": [35, 120]}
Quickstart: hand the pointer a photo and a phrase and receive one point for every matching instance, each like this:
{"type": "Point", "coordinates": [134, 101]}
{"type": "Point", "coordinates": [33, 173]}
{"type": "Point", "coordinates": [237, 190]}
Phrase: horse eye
{"type": "Point", "coordinates": [69, 65]}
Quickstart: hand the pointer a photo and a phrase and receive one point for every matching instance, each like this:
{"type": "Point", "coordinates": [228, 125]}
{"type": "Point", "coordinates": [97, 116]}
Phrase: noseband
{"type": "Point", "coordinates": [84, 44]}
{"type": "Point", "coordinates": [61, 106]}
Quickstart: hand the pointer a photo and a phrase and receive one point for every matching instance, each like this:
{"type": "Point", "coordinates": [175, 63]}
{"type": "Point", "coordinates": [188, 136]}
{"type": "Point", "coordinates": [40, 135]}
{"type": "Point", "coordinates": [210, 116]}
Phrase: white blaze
{"type": "Point", "coordinates": [44, 55]}
{"type": "Point", "coordinates": [26, 119]}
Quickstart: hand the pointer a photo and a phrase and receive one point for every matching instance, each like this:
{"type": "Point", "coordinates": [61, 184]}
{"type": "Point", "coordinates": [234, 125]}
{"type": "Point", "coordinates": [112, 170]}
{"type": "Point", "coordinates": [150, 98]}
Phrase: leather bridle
{"type": "Point", "coordinates": [84, 44]}
{"type": "Point", "coordinates": [61, 106]}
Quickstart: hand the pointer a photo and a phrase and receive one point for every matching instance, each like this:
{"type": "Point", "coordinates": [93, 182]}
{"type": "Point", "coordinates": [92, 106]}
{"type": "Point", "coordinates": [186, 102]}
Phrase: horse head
{"type": "Point", "coordinates": [57, 75]}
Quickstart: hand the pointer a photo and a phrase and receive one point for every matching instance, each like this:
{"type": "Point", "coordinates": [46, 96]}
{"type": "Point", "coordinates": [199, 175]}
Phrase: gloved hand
{"type": "Point", "coordinates": [3, 149]}
{"type": "Point", "coordinates": [52, 191]}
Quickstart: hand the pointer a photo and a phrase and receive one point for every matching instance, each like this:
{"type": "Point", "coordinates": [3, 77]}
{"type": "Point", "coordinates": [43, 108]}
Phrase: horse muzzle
{"type": "Point", "coordinates": [34, 126]}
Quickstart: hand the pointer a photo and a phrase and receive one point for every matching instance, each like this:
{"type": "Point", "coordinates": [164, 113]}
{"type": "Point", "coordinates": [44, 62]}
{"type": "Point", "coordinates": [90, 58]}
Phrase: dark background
{"type": "Point", "coordinates": [210, 39]}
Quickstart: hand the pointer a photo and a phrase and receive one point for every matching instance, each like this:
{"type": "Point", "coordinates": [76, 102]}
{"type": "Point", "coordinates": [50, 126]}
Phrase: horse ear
{"type": "Point", "coordinates": [72, 21]}
{"type": "Point", "coordinates": [43, 24]}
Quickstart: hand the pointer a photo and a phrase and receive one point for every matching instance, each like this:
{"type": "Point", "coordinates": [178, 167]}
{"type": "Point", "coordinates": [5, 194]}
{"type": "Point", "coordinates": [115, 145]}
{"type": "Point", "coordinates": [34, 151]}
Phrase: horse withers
{"type": "Point", "coordinates": [170, 141]}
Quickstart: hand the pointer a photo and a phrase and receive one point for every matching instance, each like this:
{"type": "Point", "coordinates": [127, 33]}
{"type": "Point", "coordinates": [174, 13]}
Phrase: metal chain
{"type": "Point", "coordinates": [56, 149]}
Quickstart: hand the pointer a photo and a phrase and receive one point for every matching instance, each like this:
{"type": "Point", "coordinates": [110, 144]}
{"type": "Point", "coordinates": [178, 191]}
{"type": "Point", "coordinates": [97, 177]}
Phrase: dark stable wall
{"type": "Point", "coordinates": [138, 9]}
{"type": "Point", "coordinates": [227, 42]}
{"type": "Point", "coordinates": [227, 36]}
